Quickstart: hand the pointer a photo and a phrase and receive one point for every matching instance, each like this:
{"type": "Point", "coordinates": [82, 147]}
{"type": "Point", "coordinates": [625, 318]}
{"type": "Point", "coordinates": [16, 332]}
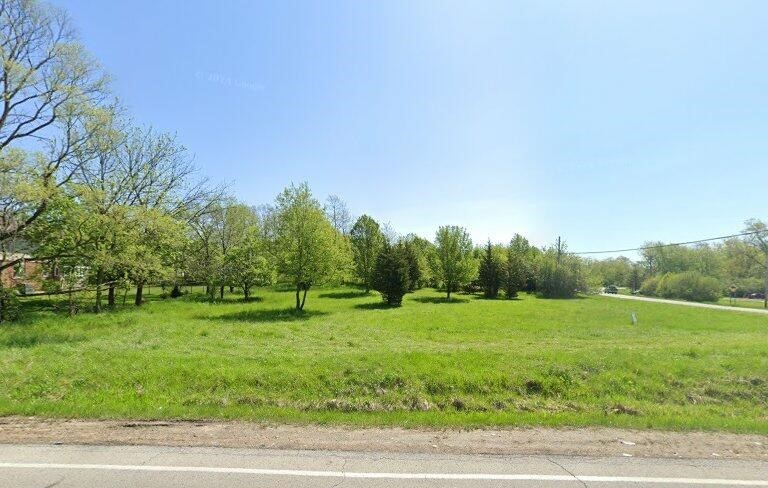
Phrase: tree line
{"type": "Point", "coordinates": [109, 204]}
{"type": "Point", "coordinates": [737, 266]}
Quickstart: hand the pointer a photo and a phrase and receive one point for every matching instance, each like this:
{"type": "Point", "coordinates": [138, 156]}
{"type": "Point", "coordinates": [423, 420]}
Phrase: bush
{"type": "Point", "coordinates": [690, 285]}
{"type": "Point", "coordinates": [746, 286]}
{"type": "Point", "coordinates": [10, 308]}
{"type": "Point", "coordinates": [650, 286]}
{"type": "Point", "coordinates": [561, 279]}
{"type": "Point", "coordinates": [391, 275]}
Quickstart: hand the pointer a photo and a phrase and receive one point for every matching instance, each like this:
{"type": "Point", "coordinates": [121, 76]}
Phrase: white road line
{"type": "Point", "coordinates": [418, 476]}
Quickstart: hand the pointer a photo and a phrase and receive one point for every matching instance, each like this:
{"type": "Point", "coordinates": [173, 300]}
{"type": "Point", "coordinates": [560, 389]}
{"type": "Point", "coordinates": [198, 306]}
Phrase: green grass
{"type": "Point", "coordinates": [348, 360]}
{"type": "Point", "coordinates": [741, 302]}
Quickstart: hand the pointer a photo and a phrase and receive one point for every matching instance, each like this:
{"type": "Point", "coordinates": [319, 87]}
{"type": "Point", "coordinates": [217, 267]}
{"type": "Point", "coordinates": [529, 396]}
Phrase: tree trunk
{"type": "Point", "coordinates": [298, 301]}
{"type": "Point", "coordinates": [71, 300]}
{"type": "Point", "coordinates": [304, 298]}
{"type": "Point", "coordinates": [231, 289]}
{"type": "Point", "coordinates": [448, 290]}
{"type": "Point", "coordinates": [2, 302]}
{"type": "Point", "coordinates": [111, 296]}
{"type": "Point", "coordinates": [221, 293]}
{"type": "Point", "coordinates": [99, 279]}
{"type": "Point", "coordinates": [139, 293]}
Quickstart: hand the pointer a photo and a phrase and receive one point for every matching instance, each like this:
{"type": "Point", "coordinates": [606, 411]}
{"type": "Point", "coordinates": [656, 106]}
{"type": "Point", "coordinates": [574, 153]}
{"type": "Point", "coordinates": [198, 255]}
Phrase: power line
{"type": "Point", "coordinates": [670, 245]}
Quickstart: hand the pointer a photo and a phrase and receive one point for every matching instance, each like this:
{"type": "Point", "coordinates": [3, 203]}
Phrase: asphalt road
{"type": "Point", "coordinates": [61, 466]}
{"type": "Point", "coordinates": [686, 304]}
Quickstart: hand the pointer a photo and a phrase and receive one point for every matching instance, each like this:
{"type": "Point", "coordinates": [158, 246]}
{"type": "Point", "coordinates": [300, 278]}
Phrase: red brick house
{"type": "Point", "coordinates": [26, 273]}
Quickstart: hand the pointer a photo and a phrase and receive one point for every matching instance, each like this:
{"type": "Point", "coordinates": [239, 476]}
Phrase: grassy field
{"type": "Point", "coordinates": [741, 302]}
{"type": "Point", "coordinates": [346, 359]}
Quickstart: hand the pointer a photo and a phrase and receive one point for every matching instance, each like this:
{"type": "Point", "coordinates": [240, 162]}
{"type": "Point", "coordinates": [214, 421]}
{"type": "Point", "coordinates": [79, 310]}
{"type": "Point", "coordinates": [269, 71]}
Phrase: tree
{"type": "Point", "coordinates": [559, 273]}
{"type": "Point", "coordinates": [51, 90]}
{"type": "Point", "coordinates": [518, 266]}
{"type": "Point", "coordinates": [426, 259]}
{"type": "Point", "coordinates": [412, 255]}
{"type": "Point", "coordinates": [203, 254]}
{"type": "Point", "coordinates": [157, 243]}
{"type": "Point", "coordinates": [234, 222]}
{"type": "Point", "coordinates": [490, 273]}
{"type": "Point", "coordinates": [454, 252]}
{"type": "Point", "coordinates": [635, 277]}
{"type": "Point", "coordinates": [304, 241]}
{"type": "Point", "coordinates": [367, 241]}
{"type": "Point", "coordinates": [338, 213]}
{"type": "Point", "coordinates": [758, 242]}
{"type": "Point", "coordinates": [392, 274]}
{"type": "Point", "coordinates": [247, 265]}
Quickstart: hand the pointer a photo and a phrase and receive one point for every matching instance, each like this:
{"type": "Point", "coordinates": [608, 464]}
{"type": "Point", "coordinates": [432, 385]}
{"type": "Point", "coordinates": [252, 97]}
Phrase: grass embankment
{"type": "Point", "coordinates": [347, 360]}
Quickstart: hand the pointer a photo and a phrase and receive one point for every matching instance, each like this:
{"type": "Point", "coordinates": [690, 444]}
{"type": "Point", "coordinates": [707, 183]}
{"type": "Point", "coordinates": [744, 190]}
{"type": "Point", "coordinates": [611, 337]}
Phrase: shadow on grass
{"type": "Point", "coordinates": [500, 298]}
{"type": "Point", "coordinates": [270, 315]}
{"type": "Point", "coordinates": [374, 306]}
{"type": "Point", "coordinates": [345, 294]}
{"type": "Point", "coordinates": [31, 338]}
{"type": "Point", "coordinates": [202, 298]}
{"type": "Point", "coordinates": [440, 300]}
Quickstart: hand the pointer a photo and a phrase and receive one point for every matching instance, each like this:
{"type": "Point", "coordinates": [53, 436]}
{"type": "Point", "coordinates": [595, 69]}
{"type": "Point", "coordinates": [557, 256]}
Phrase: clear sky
{"type": "Point", "coordinates": [607, 122]}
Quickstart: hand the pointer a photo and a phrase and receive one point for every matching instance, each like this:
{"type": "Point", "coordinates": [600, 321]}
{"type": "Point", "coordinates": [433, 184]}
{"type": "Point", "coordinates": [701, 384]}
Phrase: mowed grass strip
{"type": "Point", "coordinates": [348, 360]}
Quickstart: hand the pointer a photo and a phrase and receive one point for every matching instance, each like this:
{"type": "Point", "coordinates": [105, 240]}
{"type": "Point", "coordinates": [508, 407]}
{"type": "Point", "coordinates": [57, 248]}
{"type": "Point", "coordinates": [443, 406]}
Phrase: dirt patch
{"type": "Point", "coordinates": [585, 441]}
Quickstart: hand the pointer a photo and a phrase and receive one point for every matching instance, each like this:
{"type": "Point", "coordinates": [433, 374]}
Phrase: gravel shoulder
{"type": "Point", "coordinates": [521, 441]}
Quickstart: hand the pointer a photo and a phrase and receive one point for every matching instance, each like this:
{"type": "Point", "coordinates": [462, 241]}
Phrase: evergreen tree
{"type": "Point", "coordinates": [391, 274]}
{"type": "Point", "coordinates": [490, 273]}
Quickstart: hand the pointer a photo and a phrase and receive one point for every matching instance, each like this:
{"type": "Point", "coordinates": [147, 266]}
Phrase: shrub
{"type": "Point", "coordinates": [650, 286]}
{"type": "Point", "coordinates": [746, 286]}
{"type": "Point", "coordinates": [10, 308]}
{"type": "Point", "coordinates": [690, 285]}
{"type": "Point", "coordinates": [559, 278]}
{"type": "Point", "coordinates": [391, 274]}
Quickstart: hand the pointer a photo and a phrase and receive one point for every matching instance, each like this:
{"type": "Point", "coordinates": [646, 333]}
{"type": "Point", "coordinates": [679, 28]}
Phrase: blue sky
{"type": "Point", "coordinates": [609, 123]}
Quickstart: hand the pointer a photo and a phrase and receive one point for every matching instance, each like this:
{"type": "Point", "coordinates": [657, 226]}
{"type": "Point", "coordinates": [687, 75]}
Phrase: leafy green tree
{"type": "Point", "coordinates": [233, 222]}
{"type": "Point", "coordinates": [305, 249]}
{"type": "Point", "coordinates": [247, 265]}
{"type": "Point", "coordinates": [518, 266]}
{"type": "Point", "coordinates": [391, 275]}
{"type": "Point", "coordinates": [426, 259]}
{"type": "Point", "coordinates": [560, 274]}
{"type": "Point", "coordinates": [158, 242]}
{"type": "Point", "coordinates": [490, 272]}
{"type": "Point", "coordinates": [367, 242]}
{"type": "Point", "coordinates": [454, 252]}
{"type": "Point", "coordinates": [757, 241]}
{"type": "Point", "coordinates": [52, 91]}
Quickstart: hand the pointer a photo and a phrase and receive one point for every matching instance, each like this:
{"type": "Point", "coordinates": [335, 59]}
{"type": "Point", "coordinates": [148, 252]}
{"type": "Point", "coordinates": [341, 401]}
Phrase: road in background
{"type": "Point", "coordinates": [687, 304]}
{"type": "Point", "coordinates": [65, 466]}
